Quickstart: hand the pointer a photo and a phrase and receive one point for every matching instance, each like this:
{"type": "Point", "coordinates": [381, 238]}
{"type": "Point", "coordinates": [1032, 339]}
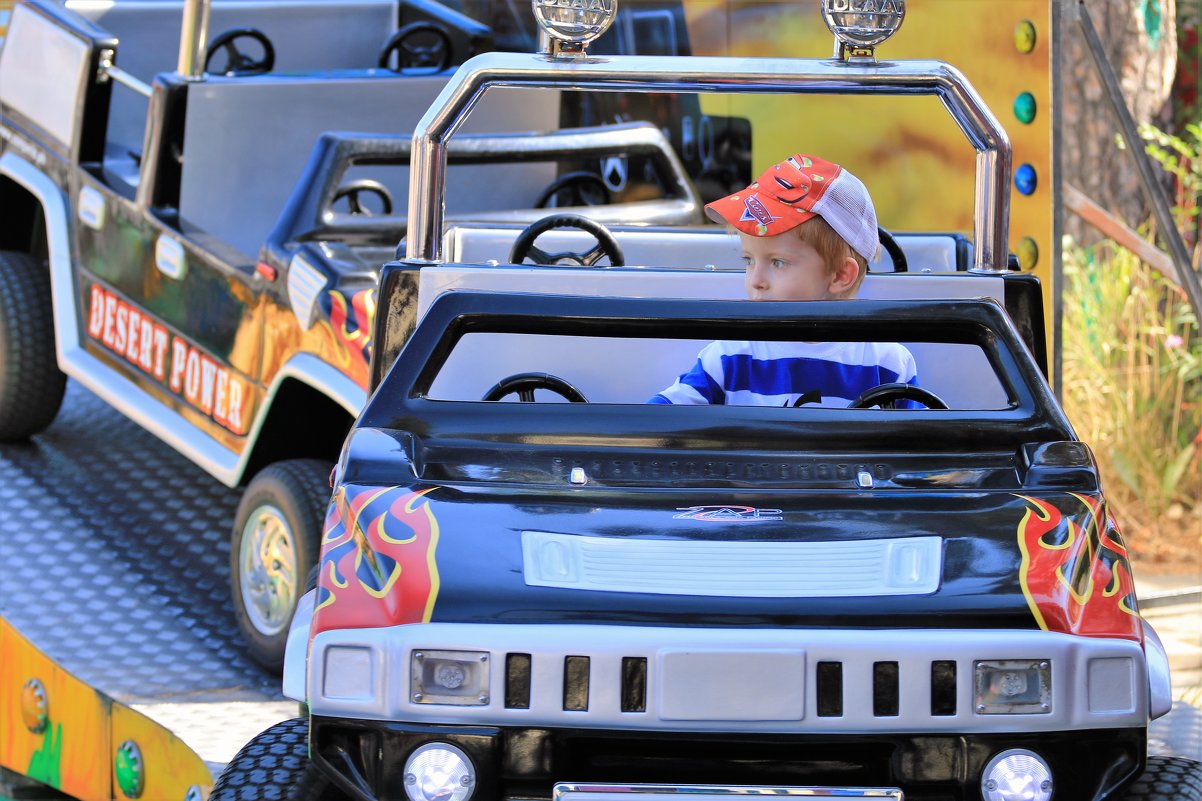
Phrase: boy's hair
{"type": "Point", "coordinates": [818, 234]}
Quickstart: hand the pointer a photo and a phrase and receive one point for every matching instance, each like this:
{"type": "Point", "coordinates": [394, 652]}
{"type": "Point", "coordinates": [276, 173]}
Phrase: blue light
{"type": "Point", "coordinates": [1025, 179]}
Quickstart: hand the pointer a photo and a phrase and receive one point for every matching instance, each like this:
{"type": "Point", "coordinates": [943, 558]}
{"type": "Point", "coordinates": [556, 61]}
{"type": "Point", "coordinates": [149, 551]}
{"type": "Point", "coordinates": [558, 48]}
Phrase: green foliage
{"type": "Point", "coordinates": [1181, 157]}
{"type": "Point", "coordinates": [1132, 359]}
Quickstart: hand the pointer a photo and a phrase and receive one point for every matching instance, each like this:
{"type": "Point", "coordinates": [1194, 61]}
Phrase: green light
{"type": "Point", "coordinates": [1024, 36]}
{"type": "Point", "coordinates": [129, 769]}
{"type": "Point", "coordinates": [1024, 108]}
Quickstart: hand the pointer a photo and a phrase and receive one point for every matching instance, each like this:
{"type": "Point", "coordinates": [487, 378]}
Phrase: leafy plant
{"type": "Point", "coordinates": [1132, 370]}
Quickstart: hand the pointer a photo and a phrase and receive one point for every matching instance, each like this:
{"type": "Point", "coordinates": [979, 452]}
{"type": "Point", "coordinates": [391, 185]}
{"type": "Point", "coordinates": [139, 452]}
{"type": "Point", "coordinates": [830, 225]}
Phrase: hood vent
{"type": "Point", "coordinates": [742, 569]}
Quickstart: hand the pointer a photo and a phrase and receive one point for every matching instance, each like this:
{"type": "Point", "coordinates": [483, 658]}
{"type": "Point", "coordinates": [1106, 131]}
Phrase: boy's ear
{"type": "Point", "coordinates": [843, 278]}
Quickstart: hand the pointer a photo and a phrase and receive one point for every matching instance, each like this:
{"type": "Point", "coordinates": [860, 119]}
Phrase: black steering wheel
{"type": "Point", "coordinates": [422, 46]}
{"type": "Point", "coordinates": [353, 189]}
{"type": "Point", "coordinates": [524, 385]}
{"type": "Point", "coordinates": [237, 63]}
{"type": "Point", "coordinates": [580, 188]}
{"type": "Point", "coordinates": [889, 243]}
{"type": "Point", "coordinates": [890, 393]}
{"type": "Point", "coordinates": [523, 246]}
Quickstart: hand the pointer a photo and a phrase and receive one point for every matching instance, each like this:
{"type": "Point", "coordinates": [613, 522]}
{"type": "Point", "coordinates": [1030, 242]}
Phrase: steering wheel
{"type": "Point", "coordinates": [524, 385]}
{"type": "Point", "coordinates": [889, 393]}
{"type": "Point", "coordinates": [353, 189]}
{"type": "Point", "coordinates": [889, 243]}
{"type": "Point", "coordinates": [237, 63]}
{"type": "Point", "coordinates": [418, 45]}
{"type": "Point", "coordinates": [581, 188]}
{"type": "Point", "coordinates": [523, 246]}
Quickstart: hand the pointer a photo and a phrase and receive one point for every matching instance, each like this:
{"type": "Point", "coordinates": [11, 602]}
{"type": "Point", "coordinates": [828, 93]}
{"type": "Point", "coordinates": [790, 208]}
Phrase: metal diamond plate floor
{"type": "Point", "coordinates": [116, 551]}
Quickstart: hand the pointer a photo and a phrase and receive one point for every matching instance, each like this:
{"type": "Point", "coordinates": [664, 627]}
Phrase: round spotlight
{"type": "Point", "coordinates": [439, 772]}
{"type": "Point", "coordinates": [1016, 775]}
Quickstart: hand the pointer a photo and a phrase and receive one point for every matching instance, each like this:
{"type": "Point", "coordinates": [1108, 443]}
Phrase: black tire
{"type": "Point", "coordinates": [275, 766]}
{"type": "Point", "coordinates": [31, 385]}
{"type": "Point", "coordinates": [1167, 779]}
{"type": "Point", "coordinates": [283, 508]}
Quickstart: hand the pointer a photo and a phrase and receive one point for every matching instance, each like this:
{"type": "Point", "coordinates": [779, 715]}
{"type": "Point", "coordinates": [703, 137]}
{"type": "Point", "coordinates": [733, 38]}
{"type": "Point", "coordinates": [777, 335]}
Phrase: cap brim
{"type": "Point", "coordinates": [773, 216]}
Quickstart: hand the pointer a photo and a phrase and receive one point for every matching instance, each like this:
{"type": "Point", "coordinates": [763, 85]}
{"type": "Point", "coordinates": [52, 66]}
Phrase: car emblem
{"type": "Point", "coordinates": [727, 514]}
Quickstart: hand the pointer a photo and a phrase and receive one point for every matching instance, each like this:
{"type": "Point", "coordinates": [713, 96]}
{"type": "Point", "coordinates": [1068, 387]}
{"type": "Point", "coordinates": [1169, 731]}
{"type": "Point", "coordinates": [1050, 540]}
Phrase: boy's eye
{"type": "Point", "coordinates": [778, 263]}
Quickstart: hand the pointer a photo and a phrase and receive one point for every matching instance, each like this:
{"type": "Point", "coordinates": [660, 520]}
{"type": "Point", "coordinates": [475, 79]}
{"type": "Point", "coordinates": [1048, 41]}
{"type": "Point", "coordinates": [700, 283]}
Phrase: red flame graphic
{"type": "Point", "coordinates": [351, 324]}
{"type": "Point", "coordinates": [377, 559]}
{"type": "Point", "coordinates": [1075, 572]}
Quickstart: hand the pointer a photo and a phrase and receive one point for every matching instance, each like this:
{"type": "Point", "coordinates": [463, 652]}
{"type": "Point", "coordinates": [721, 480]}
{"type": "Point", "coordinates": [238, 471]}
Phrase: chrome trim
{"type": "Point", "coordinates": [122, 77]}
{"type": "Point", "coordinates": [58, 244]}
{"type": "Point", "coordinates": [305, 283]}
{"type": "Point", "coordinates": [170, 258]}
{"type": "Point", "coordinates": [92, 208]}
{"type": "Point", "coordinates": [427, 192]}
{"type": "Point", "coordinates": [296, 651]}
{"type": "Point", "coordinates": [707, 792]}
{"type": "Point", "coordinates": [1160, 682]}
{"type": "Point", "coordinates": [714, 698]}
{"type": "Point", "coordinates": [193, 39]}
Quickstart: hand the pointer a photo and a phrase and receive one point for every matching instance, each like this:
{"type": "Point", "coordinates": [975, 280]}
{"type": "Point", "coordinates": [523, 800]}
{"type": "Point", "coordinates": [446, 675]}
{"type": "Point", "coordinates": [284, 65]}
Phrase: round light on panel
{"type": "Point", "coordinates": [863, 23]}
{"type": "Point", "coordinates": [576, 21]}
{"type": "Point", "coordinates": [1024, 108]}
{"type": "Point", "coordinates": [439, 772]}
{"type": "Point", "coordinates": [1016, 775]}
{"type": "Point", "coordinates": [1026, 179]}
{"type": "Point", "coordinates": [1025, 36]}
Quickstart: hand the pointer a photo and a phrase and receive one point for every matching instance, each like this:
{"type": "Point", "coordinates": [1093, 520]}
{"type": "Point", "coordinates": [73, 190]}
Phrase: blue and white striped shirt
{"type": "Point", "coordinates": [779, 373]}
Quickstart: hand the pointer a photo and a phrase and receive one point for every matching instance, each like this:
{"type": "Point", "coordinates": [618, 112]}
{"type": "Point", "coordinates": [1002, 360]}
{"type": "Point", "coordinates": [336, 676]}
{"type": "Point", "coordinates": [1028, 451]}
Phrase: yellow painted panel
{"type": "Point", "coordinates": [171, 768]}
{"type": "Point", "coordinates": [918, 166]}
{"type": "Point", "coordinates": [70, 754]}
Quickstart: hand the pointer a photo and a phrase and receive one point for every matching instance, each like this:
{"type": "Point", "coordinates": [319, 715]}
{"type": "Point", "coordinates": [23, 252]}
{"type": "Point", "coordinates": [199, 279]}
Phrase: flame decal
{"type": "Point", "coordinates": [1075, 573]}
{"type": "Point", "coordinates": [377, 559]}
{"type": "Point", "coordinates": [351, 323]}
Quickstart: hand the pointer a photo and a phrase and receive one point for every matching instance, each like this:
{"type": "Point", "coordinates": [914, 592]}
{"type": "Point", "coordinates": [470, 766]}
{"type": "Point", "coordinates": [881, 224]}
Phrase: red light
{"type": "Point", "coordinates": [266, 270]}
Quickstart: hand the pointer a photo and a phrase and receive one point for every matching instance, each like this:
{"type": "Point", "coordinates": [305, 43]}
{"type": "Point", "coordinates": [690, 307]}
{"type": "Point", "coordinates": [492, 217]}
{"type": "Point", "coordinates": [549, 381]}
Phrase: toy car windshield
{"type": "Point", "coordinates": [620, 352]}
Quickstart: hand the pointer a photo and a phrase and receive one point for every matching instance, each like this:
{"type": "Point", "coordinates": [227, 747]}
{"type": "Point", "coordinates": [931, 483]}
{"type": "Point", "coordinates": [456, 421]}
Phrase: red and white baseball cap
{"type": "Point", "coordinates": [797, 189]}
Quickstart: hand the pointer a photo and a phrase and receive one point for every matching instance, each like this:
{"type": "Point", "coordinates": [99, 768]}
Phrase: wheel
{"type": "Point", "coordinates": [523, 246]}
{"type": "Point", "coordinates": [31, 385]}
{"type": "Point", "coordinates": [275, 543]}
{"type": "Point", "coordinates": [275, 766]}
{"type": "Point", "coordinates": [1167, 779]}
{"type": "Point", "coordinates": [889, 243]}
{"type": "Point", "coordinates": [889, 393]}
{"type": "Point", "coordinates": [424, 46]}
{"type": "Point", "coordinates": [364, 186]}
{"type": "Point", "coordinates": [524, 384]}
{"type": "Point", "coordinates": [581, 188]}
{"type": "Point", "coordinates": [237, 63]}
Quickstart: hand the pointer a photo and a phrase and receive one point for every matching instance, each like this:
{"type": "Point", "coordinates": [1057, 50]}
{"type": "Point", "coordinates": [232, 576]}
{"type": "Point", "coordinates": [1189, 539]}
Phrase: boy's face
{"type": "Point", "coordinates": [783, 267]}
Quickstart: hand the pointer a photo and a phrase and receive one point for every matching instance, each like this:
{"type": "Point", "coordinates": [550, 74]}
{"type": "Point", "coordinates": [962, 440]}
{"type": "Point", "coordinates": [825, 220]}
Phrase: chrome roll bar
{"type": "Point", "coordinates": [193, 39]}
{"type": "Point", "coordinates": [718, 74]}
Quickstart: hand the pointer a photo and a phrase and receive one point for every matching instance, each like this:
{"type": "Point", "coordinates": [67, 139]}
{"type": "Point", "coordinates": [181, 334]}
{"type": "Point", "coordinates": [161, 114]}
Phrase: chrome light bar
{"type": "Point", "coordinates": [688, 74]}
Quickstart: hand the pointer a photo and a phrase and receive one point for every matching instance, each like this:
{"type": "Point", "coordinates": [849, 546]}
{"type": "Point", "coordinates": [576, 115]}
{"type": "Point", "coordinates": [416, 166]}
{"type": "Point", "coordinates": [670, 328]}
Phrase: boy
{"type": "Point", "coordinates": [808, 230]}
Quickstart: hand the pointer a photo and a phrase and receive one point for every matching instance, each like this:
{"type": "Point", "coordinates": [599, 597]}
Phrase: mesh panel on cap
{"type": "Point", "coordinates": [848, 209]}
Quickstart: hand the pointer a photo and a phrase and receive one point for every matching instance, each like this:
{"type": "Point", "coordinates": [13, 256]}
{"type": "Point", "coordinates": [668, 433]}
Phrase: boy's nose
{"type": "Point", "coordinates": [756, 276]}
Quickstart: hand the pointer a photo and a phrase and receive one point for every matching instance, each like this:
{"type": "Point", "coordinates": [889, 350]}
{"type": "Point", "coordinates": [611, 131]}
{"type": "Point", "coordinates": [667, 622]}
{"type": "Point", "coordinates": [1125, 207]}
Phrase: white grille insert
{"type": "Point", "coordinates": [898, 566]}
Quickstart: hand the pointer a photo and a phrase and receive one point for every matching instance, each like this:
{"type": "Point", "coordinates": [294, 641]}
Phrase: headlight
{"type": "Point", "coordinates": [1013, 687]}
{"type": "Point", "coordinates": [449, 677]}
{"type": "Point", "coordinates": [439, 772]}
{"type": "Point", "coordinates": [1016, 775]}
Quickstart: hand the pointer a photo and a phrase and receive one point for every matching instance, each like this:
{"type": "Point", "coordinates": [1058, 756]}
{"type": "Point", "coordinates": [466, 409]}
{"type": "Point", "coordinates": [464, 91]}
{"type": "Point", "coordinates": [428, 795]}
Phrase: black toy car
{"type": "Point", "coordinates": [601, 599]}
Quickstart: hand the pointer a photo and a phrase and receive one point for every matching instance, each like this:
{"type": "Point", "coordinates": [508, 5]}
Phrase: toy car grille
{"type": "Point", "coordinates": [828, 682]}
